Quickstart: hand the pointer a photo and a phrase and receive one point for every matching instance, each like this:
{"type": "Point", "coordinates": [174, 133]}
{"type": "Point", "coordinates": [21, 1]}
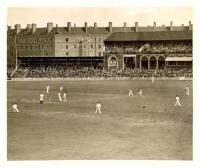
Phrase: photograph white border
{"type": "Point", "coordinates": [110, 163]}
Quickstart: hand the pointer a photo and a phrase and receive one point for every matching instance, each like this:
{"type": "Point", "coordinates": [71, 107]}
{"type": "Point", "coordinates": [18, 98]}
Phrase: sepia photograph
{"type": "Point", "coordinates": [99, 83]}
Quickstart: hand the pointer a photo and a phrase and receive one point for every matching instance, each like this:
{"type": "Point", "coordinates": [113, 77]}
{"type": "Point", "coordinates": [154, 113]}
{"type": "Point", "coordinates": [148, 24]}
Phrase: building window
{"type": "Point", "coordinates": [67, 53]}
{"type": "Point", "coordinates": [99, 46]}
{"type": "Point", "coordinates": [100, 54]}
{"type": "Point", "coordinates": [84, 46]}
{"type": "Point", "coordinates": [92, 46]}
{"type": "Point", "coordinates": [66, 46]}
{"type": "Point", "coordinates": [67, 39]}
{"type": "Point", "coordinates": [74, 46]}
{"type": "Point", "coordinates": [99, 39]}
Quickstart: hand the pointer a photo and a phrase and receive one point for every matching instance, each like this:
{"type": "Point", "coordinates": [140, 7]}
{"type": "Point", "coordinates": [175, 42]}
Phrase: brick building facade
{"type": "Point", "coordinates": [37, 45]}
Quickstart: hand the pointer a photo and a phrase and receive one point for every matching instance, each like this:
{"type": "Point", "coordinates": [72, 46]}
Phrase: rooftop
{"type": "Point", "coordinates": [95, 30]}
{"type": "Point", "coordinates": [150, 36]}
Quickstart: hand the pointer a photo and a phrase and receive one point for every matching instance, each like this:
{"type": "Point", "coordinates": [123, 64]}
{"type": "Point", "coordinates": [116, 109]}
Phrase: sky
{"type": "Point", "coordinates": [102, 15]}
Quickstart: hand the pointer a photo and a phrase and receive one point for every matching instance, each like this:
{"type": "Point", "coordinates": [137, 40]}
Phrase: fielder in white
{"type": "Point", "coordinates": [140, 92]}
{"type": "Point", "coordinates": [65, 97]}
{"type": "Point", "coordinates": [152, 79]}
{"type": "Point", "coordinates": [48, 92]}
{"type": "Point", "coordinates": [61, 88]}
{"type": "Point", "coordinates": [130, 92]}
{"type": "Point", "coordinates": [187, 91]}
{"type": "Point", "coordinates": [59, 97]}
{"type": "Point", "coordinates": [177, 101]}
{"type": "Point", "coordinates": [41, 98]}
{"type": "Point", "coordinates": [98, 108]}
{"type": "Point", "coordinates": [15, 109]}
{"type": "Point", "coordinates": [48, 89]}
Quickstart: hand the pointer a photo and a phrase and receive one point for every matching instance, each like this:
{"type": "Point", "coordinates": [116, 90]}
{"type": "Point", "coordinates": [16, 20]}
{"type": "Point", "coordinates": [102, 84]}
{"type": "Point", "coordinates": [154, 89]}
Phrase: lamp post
{"type": "Point", "coordinates": [16, 52]}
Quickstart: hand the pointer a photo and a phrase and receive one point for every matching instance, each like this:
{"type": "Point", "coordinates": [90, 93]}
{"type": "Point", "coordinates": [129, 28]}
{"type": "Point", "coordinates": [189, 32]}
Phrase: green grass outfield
{"type": "Point", "coordinates": [147, 127]}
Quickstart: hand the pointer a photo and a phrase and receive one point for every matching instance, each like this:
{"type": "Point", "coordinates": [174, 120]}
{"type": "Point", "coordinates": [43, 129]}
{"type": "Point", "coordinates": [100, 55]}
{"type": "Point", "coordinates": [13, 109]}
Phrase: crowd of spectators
{"type": "Point", "coordinates": [58, 72]}
{"type": "Point", "coordinates": [132, 73]}
{"type": "Point", "coordinates": [149, 48]}
{"type": "Point", "coordinates": [91, 72]}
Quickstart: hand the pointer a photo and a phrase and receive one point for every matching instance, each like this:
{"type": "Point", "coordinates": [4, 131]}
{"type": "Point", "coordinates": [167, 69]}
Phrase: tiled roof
{"type": "Point", "coordinates": [62, 31]}
{"type": "Point", "coordinates": [118, 33]}
{"type": "Point", "coordinates": [150, 36]}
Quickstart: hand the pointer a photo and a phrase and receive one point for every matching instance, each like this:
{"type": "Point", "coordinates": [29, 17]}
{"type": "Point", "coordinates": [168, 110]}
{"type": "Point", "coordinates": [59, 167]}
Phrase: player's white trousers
{"type": "Point", "coordinates": [59, 98]}
{"type": "Point", "coordinates": [130, 94]}
{"type": "Point", "coordinates": [98, 110]}
{"type": "Point", "coordinates": [177, 103]}
{"type": "Point", "coordinates": [15, 109]}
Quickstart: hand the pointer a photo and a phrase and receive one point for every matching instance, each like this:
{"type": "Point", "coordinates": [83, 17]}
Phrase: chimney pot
{"type": "Point", "coordinates": [86, 25]}
{"type": "Point", "coordinates": [136, 26]}
{"type": "Point", "coordinates": [171, 26]}
{"type": "Point", "coordinates": [110, 26]}
{"type": "Point", "coordinates": [18, 28]}
{"type": "Point", "coordinates": [154, 24]}
{"type": "Point", "coordinates": [34, 28]}
{"type": "Point", "coordinates": [190, 25]}
{"type": "Point", "coordinates": [28, 26]}
{"type": "Point", "coordinates": [95, 25]}
{"type": "Point", "coordinates": [69, 27]}
{"type": "Point", "coordinates": [125, 25]}
{"type": "Point", "coordinates": [49, 27]}
{"type": "Point", "coordinates": [9, 28]}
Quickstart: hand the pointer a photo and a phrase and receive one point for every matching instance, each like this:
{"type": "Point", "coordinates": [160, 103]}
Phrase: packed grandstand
{"type": "Point", "coordinates": [89, 71]}
{"type": "Point", "coordinates": [106, 54]}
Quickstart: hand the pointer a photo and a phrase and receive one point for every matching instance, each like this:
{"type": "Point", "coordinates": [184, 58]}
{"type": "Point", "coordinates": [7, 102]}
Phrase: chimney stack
{"type": "Point", "coordinates": [95, 25]}
{"type": "Point", "coordinates": [125, 25]}
{"type": "Point", "coordinates": [86, 29]}
{"type": "Point", "coordinates": [190, 25]}
{"type": "Point", "coordinates": [110, 26]}
{"type": "Point", "coordinates": [171, 26]}
{"type": "Point", "coordinates": [9, 27]}
{"type": "Point", "coordinates": [17, 28]}
{"type": "Point", "coordinates": [69, 27]}
{"type": "Point", "coordinates": [154, 25]}
{"type": "Point", "coordinates": [34, 28]}
{"type": "Point", "coordinates": [28, 26]}
{"type": "Point", "coordinates": [49, 26]}
{"type": "Point", "coordinates": [136, 26]}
